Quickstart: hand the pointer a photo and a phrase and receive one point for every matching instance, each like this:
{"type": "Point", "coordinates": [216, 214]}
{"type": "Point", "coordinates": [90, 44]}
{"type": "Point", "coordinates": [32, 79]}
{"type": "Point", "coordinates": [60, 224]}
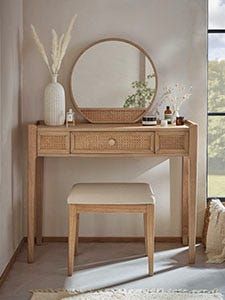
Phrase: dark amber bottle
{"type": "Point", "coordinates": [168, 115]}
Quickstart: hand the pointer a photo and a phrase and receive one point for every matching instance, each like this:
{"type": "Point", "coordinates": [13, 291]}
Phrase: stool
{"type": "Point", "coordinates": [111, 198]}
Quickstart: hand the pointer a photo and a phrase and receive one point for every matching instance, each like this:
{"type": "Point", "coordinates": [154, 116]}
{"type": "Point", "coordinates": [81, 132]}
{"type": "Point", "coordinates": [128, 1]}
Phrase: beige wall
{"type": "Point", "coordinates": [174, 33]}
{"type": "Point", "coordinates": [11, 200]}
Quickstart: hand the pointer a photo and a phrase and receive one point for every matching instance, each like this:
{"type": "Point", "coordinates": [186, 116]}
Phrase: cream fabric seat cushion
{"type": "Point", "coordinates": [111, 193]}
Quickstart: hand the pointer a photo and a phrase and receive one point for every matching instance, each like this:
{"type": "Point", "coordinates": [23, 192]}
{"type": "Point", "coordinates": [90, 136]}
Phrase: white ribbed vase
{"type": "Point", "coordinates": [54, 103]}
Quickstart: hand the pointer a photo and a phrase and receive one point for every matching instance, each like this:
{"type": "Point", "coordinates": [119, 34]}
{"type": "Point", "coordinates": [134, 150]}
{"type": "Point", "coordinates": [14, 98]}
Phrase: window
{"type": "Point", "coordinates": [216, 99]}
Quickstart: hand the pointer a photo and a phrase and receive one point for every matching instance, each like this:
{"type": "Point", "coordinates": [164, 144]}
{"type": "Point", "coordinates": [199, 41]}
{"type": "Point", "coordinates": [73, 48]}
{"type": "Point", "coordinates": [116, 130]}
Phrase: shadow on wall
{"type": "Point", "coordinates": [16, 154]}
{"type": "Point", "coordinates": [62, 173]}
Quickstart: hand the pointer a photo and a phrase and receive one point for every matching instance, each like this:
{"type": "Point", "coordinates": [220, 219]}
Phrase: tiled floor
{"type": "Point", "coordinates": [103, 265]}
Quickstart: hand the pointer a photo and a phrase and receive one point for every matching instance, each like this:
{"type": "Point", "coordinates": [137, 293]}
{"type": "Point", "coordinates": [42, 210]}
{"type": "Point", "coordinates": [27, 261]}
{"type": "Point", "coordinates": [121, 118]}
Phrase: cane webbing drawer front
{"type": "Point", "coordinates": [171, 142]}
{"type": "Point", "coordinates": [112, 142]}
{"type": "Point", "coordinates": [53, 142]}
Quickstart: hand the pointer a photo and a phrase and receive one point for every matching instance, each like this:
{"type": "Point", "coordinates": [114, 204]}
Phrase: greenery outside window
{"type": "Point", "coordinates": [216, 99]}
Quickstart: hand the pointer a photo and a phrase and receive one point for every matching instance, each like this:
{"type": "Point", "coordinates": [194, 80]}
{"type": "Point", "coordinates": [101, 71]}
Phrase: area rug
{"type": "Point", "coordinates": [138, 294]}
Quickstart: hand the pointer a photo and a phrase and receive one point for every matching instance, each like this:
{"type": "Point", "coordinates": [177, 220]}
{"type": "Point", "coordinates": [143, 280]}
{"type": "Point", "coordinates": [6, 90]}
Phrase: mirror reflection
{"type": "Point", "coordinates": [113, 74]}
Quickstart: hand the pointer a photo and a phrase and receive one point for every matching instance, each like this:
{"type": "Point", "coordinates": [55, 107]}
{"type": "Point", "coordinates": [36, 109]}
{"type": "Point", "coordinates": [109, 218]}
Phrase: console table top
{"type": "Point", "coordinates": [110, 127]}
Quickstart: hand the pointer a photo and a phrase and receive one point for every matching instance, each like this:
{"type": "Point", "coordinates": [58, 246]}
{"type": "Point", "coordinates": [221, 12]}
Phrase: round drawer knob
{"type": "Point", "coordinates": [112, 142]}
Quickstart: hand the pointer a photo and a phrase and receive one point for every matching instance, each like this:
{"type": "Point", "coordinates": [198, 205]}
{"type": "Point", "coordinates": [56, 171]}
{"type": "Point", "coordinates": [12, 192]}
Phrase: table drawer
{"type": "Point", "coordinates": [171, 142]}
{"type": "Point", "coordinates": [53, 142]}
{"type": "Point", "coordinates": [110, 142]}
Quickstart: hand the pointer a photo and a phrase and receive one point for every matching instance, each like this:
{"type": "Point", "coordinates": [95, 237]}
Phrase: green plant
{"type": "Point", "coordinates": [142, 96]}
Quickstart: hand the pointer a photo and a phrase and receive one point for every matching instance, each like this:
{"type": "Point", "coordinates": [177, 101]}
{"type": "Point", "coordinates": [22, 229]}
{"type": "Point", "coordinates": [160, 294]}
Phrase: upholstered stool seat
{"type": "Point", "coordinates": [111, 193]}
{"type": "Point", "coordinates": [111, 198]}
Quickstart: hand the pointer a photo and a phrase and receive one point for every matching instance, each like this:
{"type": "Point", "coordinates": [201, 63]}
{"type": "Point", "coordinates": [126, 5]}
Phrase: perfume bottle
{"type": "Point", "coordinates": [70, 118]}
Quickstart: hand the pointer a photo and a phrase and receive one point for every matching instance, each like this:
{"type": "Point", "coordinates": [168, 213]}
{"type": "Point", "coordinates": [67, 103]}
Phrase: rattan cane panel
{"type": "Point", "coordinates": [172, 142]}
{"type": "Point", "coordinates": [113, 115]}
{"type": "Point", "coordinates": [53, 142]}
{"type": "Point", "coordinates": [169, 143]}
{"type": "Point", "coordinates": [109, 142]}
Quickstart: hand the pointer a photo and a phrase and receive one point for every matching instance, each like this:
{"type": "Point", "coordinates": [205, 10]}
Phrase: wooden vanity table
{"type": "Point", "coordinates": [104, 140]}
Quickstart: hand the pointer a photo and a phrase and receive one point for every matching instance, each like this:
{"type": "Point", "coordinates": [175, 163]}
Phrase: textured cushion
{"type": "Point", "coordinates": [111, 193]}
{"type": "Point", "coordinates": [215, 240]}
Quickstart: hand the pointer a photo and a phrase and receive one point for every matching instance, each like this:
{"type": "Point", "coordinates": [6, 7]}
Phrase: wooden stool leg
{"type": "Point", "coordinates": [150, 238]}
{"type": "Point", "coordinates": [71, 237]}
{"type": "Point", "coordinates": [145, 232]}
{"type": "Point", "coordinates": [77, 234]}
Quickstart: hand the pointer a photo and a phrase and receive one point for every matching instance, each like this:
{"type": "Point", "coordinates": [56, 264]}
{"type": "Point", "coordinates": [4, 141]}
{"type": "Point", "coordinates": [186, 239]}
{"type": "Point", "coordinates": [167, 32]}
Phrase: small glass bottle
{"type": "Point", "coordinates": [168, 115]}
{"type": "Point", "coordinates": [179, 121]}
{"type": "Point", "coordinates": [157, 114]}
{"type": "Point", "coordinates": [70, 118]}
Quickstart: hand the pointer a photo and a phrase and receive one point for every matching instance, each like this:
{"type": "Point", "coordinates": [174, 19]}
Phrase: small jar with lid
{"type": "Point", "coordinates": [149, 121]}
{"type": "Point", "coordinates": [179, 121]}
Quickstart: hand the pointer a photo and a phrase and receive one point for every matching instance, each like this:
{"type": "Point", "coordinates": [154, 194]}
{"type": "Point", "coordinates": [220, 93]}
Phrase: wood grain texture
{"type": "Point", "coordinates": [192, 201]}
{"type": "Point", "coordinates": [71, 237]}
{"type": "Point", "coordinates": [150, 238]}
{"type": "Point", "coordinates": [39, 198]}
{"type": "Point", "coordinates": [147, 210]}
{"type": "Point", "coordinates": [77, 234]}
{"type": "Point", "coordinates": [111, 208]}
{"type": "Point", "coordinates": [184, 144]}
{"type": "Point", "coordinates": [145, 232]}
{"type": "Point", "coordinates": [111, 127]}
{"type": "Point", "coordinates": [113, 140]}
{"type": "Point", "coordinates": [185, 197]}
{"type": "Point", "coordinates": [31, 172]}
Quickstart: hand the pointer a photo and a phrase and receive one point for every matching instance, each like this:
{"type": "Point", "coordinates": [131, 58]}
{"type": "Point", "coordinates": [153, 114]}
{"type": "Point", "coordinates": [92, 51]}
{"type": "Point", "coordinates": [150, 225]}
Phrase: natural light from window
{"type": "Point", "coordinates": [216, 99]}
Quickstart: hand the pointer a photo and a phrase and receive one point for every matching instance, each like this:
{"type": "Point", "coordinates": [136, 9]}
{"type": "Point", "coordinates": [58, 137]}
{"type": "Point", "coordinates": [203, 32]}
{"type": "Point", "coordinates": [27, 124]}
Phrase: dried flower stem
{"type": "Point", "coordinates": [40, 48]}
{"type": "Point", "coordinates": [174, 96]}
{"type": "Point", "coordinates": [59, 47]}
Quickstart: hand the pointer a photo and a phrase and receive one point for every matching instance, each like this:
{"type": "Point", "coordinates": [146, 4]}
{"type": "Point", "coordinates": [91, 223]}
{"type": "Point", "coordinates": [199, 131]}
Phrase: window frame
{"type": "Point", "coordinates": [213, 114]}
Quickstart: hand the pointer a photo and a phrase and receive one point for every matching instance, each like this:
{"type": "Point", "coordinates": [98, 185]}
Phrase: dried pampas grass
{"type": "Point", "coordinates": [59, 47]}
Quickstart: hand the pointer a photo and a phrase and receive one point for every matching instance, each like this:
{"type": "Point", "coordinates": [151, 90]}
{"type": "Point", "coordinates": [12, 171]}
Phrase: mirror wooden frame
{"type": "Point", "coordinates": [113, 115]}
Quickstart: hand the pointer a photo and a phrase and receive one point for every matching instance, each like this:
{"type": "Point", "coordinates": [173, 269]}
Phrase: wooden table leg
{"type": "Point", "coordinates": [192, 203]}
{"type": "Point", "coordinates": [39, 198]}
{"type": "Point", "coordinates": [31, 172]}
{"type": "Point", "coordinates": [185, 196]}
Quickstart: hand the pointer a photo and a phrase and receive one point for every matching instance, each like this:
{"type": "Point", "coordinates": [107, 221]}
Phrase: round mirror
{"type": "Point", "coordinates": [113, 80]}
